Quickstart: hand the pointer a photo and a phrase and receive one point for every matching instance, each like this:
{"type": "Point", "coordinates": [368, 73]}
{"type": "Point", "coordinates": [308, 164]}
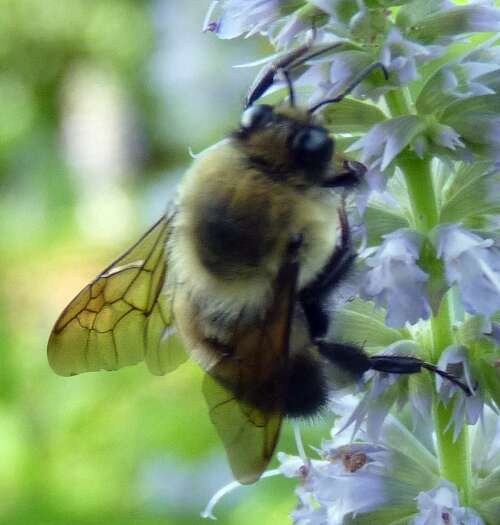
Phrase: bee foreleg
{"type": "Point", "coordinates": [350, 176]}
{"type": "Point", "coordinates": [314, 296]}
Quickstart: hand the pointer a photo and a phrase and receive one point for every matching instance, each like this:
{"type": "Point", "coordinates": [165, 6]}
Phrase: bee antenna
{"type": "Point", "coordinates": [364, 73]}
{"type": "Point", "coordinates": [289, 61]}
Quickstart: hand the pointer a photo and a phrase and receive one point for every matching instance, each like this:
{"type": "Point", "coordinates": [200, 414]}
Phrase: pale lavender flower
{"type": "Point", "coordinates": [401, 57]}
{"type": "Point", "coordinates": [450, 114]}
{"type": "Point", "coordinates": [342, 67]}
{"type": "Point", "coordinates": [464, 78]}
{"type": "Point", "coordinates": [240, 17]}
{"type": "Point", "coordinates": [443, 136]}
{"type": "Point", "coordinates": [460, 137]}
{"type": "Point", "coordinates": [441, 506]}
{"type": "Point", "coordinates": [477, 122]}
{"type": "Point", "coordinates": [481, 16]}
{"type": "Point", "coordinates": [473, 264]}
{"type": "Point", "coordinates": [360, 478]}
{"type": "Point", "coordinates": [400, 472]}
{"type": "Point", "coordinates": [395, 281]}
{"type": "Point", "coordinates": [467, 409]}
{"type": "Point", "coordinates": [453, 82]}
{"type": "Point", "coordinates": [386, 140]}
{"type": "Point", "coordinates": [376, 179]}
{"type": "Point", "coordinates": [382, 394]}
{"type": "Point", "coordinates": [374, 406]}
{"type": "Point", "coordinates": [280, 20]}
{"type": "Point", "coordinates": [294, 25]}
{"type": "Point", "coordinates": [330, 488]}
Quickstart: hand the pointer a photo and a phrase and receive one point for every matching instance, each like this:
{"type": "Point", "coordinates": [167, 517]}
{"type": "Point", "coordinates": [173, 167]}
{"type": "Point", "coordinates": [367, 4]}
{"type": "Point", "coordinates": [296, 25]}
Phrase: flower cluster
{"type": "Point", "coordinates": [429, 135]}
{"type": "Point", "coordinates": [395, 480]}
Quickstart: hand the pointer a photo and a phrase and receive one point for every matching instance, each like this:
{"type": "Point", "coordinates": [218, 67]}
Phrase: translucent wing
{"type": "Point", "coordinates": [121, 317]}
{"type": "Point", "coordinates": [246, 390]}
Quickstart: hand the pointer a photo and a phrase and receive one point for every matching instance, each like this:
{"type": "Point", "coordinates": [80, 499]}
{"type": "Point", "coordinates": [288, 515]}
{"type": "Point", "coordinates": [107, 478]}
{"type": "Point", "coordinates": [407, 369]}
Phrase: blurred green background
{"type": "Point", "coordinates": [99, 102]}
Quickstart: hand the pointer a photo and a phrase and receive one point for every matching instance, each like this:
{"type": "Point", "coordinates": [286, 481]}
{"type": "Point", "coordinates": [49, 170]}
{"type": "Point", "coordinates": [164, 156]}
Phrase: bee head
{"type": "Point", "coordinates": [285, 142]}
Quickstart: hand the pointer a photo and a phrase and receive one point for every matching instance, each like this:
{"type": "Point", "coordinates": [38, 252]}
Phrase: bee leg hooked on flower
{"type": "Point", "coordinates": [348, 177]}
{"type": "Point", "coordinates": [400, 364]}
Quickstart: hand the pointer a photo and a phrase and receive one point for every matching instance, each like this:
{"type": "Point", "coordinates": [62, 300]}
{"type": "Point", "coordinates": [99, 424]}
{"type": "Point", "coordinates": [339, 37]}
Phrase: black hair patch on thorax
{"type": "Point", "coordinates": [232, 236]}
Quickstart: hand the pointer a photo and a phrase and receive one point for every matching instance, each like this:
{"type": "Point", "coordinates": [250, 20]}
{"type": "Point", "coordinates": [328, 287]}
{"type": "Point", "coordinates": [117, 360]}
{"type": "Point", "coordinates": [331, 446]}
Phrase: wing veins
{"type": "Point", "coordinates": [222, 403]}
{"type": "Point", "coordinates": [119, 318]}
{"type": "Point", "coordinates": [139, 270]}
{"type": "Point", "coordinates": [122, 299]}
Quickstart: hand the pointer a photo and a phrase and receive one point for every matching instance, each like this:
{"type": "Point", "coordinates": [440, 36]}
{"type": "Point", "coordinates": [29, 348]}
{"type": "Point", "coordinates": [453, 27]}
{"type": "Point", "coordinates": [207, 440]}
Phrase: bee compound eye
{"type": "Point", "coordinates": [312, 146]}
{"type": "Point", "coordinates": [256, 116]}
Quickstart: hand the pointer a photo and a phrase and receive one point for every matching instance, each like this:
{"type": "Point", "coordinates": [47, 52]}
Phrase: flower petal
{"type": "Point", "coordinates": [473, 263]}
{"type": "Point", "coordinates": [395, 281]}
{"type": "Point", "coordinates": [386, 140]}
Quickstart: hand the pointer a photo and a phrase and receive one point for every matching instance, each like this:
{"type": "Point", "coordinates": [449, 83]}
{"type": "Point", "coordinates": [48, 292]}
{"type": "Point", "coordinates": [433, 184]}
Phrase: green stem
{"type": "Point", "coordinates": [453, 455]}
{"type": "Point", "coordinates": [397, 103]}
{"type": "Point", "coordinates": [422, 197]}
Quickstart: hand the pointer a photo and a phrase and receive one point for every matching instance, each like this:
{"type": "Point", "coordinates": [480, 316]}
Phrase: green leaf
{"type": "Point", "coordinates": [490, 380]}
{"type": "Point", "coordinates": [361, 323]}
{"type": "Point", "coordinates": [468, 194]}
{"type": "Point", "coordinates": [438, 23]}
{"type": "Point", "coordinates": [489, 510]}
{"type": "Point", "coordinates": [398, 437]}
{"type": "Point", "coordinates": [413, 12]}
{"type": "Point", "coordinates": [471, 330]}
{"type": "Point", "coordinates": [380, 221]}
{"type": "Point", "coordinates": [488, 487]}
{"type": "Point", "coordinates": [456, 112]}
{"type": "Point", "coordinates": [433, 99]}
{"type": "Point", "coordinates": [399, 515]}
{"type": "Point", "coordinates": [352, 116]}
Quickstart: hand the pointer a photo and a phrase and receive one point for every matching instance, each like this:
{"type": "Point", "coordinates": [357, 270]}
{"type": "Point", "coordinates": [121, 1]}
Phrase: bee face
{"type": "Point", "coordinates": [286, 142]}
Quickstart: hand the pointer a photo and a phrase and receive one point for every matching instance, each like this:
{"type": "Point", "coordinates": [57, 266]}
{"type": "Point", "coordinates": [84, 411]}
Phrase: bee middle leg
{"type": "Point", "coordinates": [314, 296]}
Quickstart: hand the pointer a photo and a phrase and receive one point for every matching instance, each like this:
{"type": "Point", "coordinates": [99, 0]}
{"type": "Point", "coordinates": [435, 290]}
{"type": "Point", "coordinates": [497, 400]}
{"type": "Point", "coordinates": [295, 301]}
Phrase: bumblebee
{"type": "Point", "coordinates": [241, 269]}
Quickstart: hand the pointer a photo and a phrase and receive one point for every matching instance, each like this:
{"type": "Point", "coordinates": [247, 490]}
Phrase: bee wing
{"type": "Point", "coordinates": [246, 389]}
{"type": "Point", "coordinates": [121, 317]}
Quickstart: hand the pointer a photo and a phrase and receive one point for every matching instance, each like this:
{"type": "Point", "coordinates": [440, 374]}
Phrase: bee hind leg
{"type": "Point", "coordinates": [355, 361]}
{"type": "Point", "coordinates": [314, 296]}
{"type": "Point", "coordinates": [307, 387]}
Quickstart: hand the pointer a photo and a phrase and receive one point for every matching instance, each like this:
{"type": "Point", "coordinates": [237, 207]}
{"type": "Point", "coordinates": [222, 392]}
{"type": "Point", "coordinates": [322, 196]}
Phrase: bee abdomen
{"type": "Point", "coordinates": [232, 240]}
